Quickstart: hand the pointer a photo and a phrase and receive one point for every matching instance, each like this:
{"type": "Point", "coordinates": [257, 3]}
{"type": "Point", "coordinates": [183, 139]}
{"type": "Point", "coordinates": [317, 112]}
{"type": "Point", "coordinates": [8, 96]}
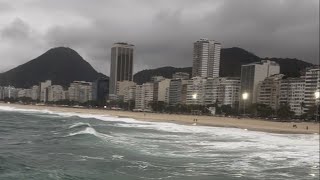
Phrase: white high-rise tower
{"type": "Point", "coordinates": [206, 58]}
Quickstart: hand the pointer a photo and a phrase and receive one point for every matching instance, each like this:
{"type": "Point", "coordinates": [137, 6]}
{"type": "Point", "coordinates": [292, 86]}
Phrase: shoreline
{"type": "Point", "coordinates": [213, 121]}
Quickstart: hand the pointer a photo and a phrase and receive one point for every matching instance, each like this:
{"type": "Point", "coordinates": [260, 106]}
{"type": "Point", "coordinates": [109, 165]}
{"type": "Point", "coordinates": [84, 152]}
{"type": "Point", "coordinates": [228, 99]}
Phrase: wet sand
{"type": "Point", "coordinates": [249, 124]}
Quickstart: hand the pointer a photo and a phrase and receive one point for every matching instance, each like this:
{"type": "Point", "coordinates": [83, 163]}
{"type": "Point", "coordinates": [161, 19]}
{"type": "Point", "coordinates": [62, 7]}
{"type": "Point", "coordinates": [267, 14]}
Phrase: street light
{"type": "Point", "coordinates": [245, 96]}
{"type": "Point", "coordinates": [317, 95]}
{"type": "Point", "coordinates": [194, 96]}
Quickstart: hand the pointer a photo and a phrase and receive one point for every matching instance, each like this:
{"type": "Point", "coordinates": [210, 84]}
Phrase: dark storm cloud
{"type": "Point", "coordinates": [18, 44]}
{"type": "Point", "coordinates": [17, 30]}
{"type": "Point", "coordinates": [163, 31]}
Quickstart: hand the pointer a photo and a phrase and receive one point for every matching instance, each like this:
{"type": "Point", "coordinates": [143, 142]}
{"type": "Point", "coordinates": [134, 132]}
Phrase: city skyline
{"type": "Point", "coordinates": [159, 89]}
{"type": "Point", "coordinates": [163, 38]}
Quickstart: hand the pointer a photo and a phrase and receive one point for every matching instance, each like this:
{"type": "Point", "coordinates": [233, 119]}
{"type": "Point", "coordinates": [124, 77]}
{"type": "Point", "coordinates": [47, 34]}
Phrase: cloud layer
{"type": "Point", "coordinates": [163, 31]}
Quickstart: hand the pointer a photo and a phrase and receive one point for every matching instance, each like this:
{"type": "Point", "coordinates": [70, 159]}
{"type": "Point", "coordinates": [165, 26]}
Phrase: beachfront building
{"type": "Point", "coordinates": [252, 74]}
{"type": "Point", "coordinates": [80, 91]}
{"type": "Point", "coordinates": [55, 93]}
{"type": "Point", "coordinates": [1, 92]}
{"type": "Point", "coordinates": [177, 92]}
{"type": "Point", "coordinates": [156, 80]}
{"type": "Point", "coordinates": [162, 92]}
{"type": "Point", "coordinates": [44, 90]}
{"type": "Point", "coordinates": [229, 91]}
{"type": "Point", "coordinates": [121, 68]}
{"type": "Point", "coordinates": [211, 91]}
{"type": "Point", "coordinates": [292, 94]}
{"type": "Point", "coordinates": [144, 96]}
{"type": "Point", "coordinates": [122, 87]}
{"type": "Point", "coordinates": [9, 92]}
{"type": "Point", "coordinates": [312, 84]}
{"type": "Point", "coordinates": [221, 91]}
{"type": "Point", "coordinates": [100, 90]}
{"type": "Point", "coordinates": [25, 93]}
{"type": "Point", "coordinates": [196, 88]}
{"type": "Point", "coordinates": [130, 94]}
{"type": "Point", "coordinates": [181, 75]}
{"type": "Point", "coordinates": [268, 91]}
{"type": "Point", "coordinates": [35, 93]}
{"type": "Point", "coordinates": [206, 58]}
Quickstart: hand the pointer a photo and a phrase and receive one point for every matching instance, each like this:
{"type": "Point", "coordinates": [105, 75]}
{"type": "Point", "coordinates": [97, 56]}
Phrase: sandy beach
{"type": "Point", "coordinates": [249, 124]}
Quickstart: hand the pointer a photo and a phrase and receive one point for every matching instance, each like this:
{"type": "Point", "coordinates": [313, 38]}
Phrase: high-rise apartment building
{"type": "Point", "coordinates": [80, 91]}
{"type": "Point", "coordinates": [252, 74]}
{"type": "Point", "coordinates": [24, 93]}
{"type": "Point", "coordinates": [144, 96]}
{"type": "Point", "coordinates": [10, 92]}
{"type": "Point", "coordinates": [177, 92]}
{"type": "Point", "coordinates": [55, 93]}
{"type": "Point", "coordinates": [292, 94]}
{"type": "Point", "coordinates": [211, 91]}
{"type": "Point", "coordinates": [1, 92]}
{"type": "Point", "coordinates": [163, 90]}
{"type": "Point", "coordinates": [130, 94]}
{"type": "Point", "coordinates": [268, 91]}
{"type": "Point", "coordinates": [35, 92]}
{"type": "Point", "coordinates": [229, 91]}
{"type": "Point", "coordinates": [101, 90]}
{"type": "Point", "coordinates": [312, 84]}
{"type": "Point", "coordinates": [206, 58]}
{"type": "Point", "coordinates": [122, 87]}
{"type": "Point", "coordinates": [221, 90]}
{"type": "Point", "coordinates": [44, 90]}
{"type": "Point", "coordinates": [196, 90]}
{"type": "Point", "coordinates": [121, 68]}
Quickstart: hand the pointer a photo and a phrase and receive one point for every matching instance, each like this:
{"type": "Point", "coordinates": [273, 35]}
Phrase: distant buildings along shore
{"type": "Point", "coordinates": [260, 81]}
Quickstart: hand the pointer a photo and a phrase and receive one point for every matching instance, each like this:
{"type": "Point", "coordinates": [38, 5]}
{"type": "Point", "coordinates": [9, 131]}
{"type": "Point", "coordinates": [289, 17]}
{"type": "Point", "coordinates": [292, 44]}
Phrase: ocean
{"type": "Point", "coordinates": [42, 145]}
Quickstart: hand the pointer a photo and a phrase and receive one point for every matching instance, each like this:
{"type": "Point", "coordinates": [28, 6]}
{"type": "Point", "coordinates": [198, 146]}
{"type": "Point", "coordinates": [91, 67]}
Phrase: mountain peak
{"type": "Point", "coordinates": [61, 64]}
{"type": "Point", "coordinates": [61, 53]}
{"type": "Point", "coordinates": [61, 49]}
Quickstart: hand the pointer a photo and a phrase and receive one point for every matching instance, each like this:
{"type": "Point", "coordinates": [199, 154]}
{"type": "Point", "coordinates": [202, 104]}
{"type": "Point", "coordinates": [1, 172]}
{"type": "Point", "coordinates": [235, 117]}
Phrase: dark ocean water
{"type": "Point", "coordinates": [43, 145]}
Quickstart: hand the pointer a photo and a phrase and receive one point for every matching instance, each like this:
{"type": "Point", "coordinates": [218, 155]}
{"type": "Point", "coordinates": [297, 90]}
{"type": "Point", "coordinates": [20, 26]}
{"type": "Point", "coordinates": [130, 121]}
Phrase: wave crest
{"type": "Point", "coordinates": [91, 131]}
{"type": "Point", "coordinates": [79, 124]}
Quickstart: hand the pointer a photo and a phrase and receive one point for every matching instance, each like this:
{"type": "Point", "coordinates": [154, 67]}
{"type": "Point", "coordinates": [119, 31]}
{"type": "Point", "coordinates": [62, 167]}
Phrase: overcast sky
{"type": "Point", "coordinates": [162, 30]}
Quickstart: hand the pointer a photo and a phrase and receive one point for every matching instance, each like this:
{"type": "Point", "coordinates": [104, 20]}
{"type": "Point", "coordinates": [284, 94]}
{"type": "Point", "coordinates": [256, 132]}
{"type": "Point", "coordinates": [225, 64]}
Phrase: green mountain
{"type": "Point", "coordinates": [230, 66]}
{"type": "Point", "coordinates": [61, 65]}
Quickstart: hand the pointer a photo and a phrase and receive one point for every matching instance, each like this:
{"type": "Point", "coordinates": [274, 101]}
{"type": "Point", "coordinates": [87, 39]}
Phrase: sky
{"type": "Point", "coordinates": [163, 31]}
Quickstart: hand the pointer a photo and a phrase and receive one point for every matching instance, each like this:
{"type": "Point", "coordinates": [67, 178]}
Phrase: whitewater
{"type": "Point", "coordinates": [41, 144]}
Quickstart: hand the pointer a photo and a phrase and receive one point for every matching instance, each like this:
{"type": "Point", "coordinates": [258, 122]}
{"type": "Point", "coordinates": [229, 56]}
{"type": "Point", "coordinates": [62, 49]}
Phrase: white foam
{"type": "Point", "coordinates": [115, 157]}
{"type": "Point", "coordinates": [88, 130]}
{"type": "Point", "coordinates": [92, 131]}
{"type": "Point", "coordinates": [9, 108]}
{"type": "Point", "coordinates": [79, 124]}
{"type": "Point", "coordinates": [202, 141]}
{"type": "Point", "coordinates": [91, 157]}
